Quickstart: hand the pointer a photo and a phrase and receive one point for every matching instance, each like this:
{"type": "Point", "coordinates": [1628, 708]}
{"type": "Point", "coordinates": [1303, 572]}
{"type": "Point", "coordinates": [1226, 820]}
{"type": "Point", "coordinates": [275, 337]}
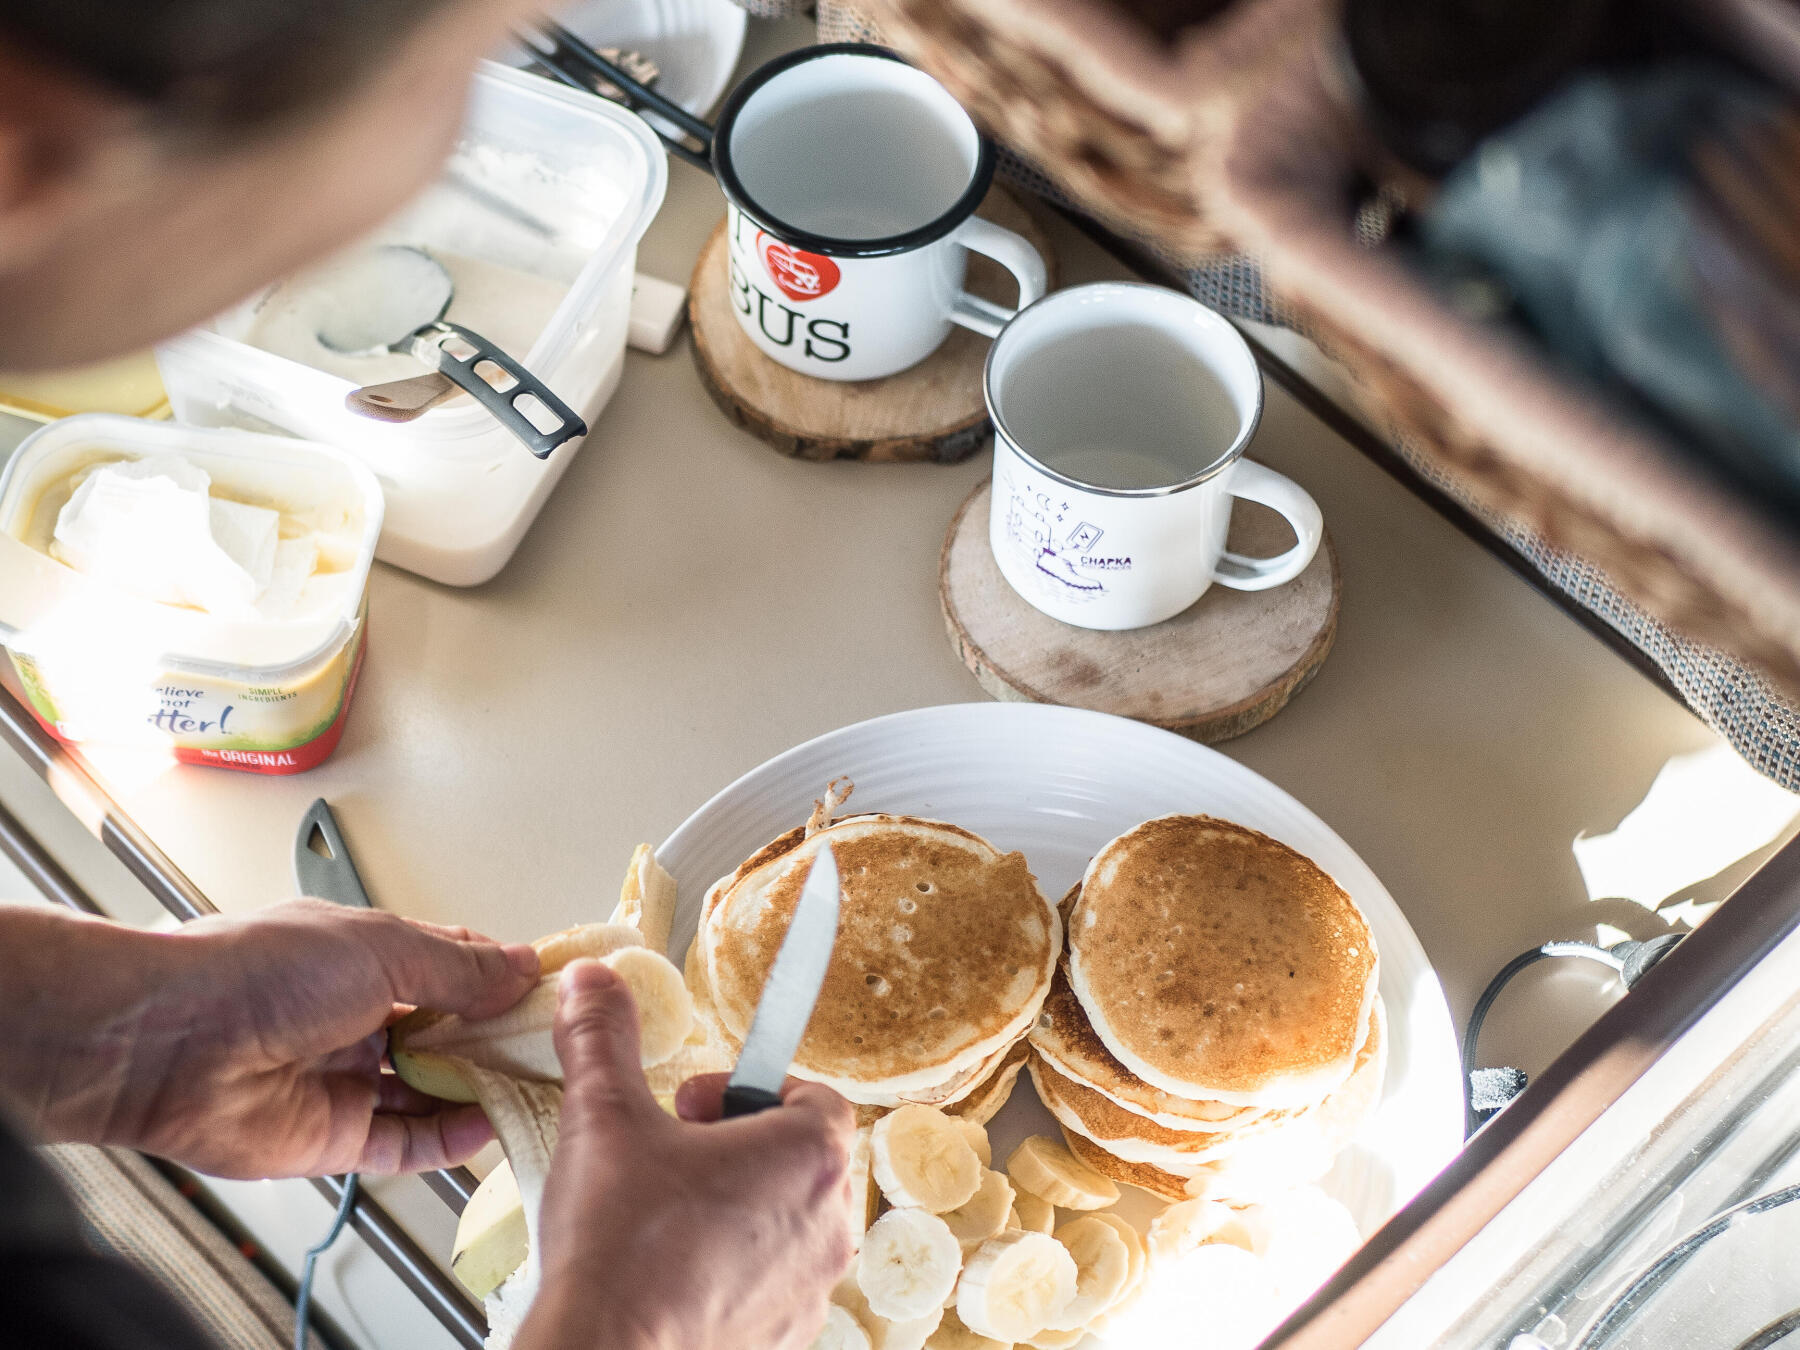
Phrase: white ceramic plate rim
{"type": "Point", "coordinates": [1417, 1128]}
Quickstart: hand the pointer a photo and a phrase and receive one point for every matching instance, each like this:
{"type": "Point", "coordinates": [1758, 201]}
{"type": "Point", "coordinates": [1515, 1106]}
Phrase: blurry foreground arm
{"type": "Point", "coordinates": [690, 1234]}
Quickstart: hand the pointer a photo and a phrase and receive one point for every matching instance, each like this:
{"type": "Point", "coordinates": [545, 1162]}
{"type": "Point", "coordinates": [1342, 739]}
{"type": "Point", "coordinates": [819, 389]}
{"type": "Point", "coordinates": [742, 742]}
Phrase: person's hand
{"type": "Point", "coordinates": [690, 1234]}
{"type": "Point", "coordinates": [252, 1046]}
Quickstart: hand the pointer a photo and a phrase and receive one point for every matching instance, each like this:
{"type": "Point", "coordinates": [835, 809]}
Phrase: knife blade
{"type": "Point", "coordinates": [322, 863]}
{"type": "Point", "coordinates": [788, 996]}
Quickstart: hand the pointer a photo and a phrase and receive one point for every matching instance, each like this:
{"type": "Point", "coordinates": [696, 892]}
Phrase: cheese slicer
{"type": "Point", "coordinates": [402, 294]}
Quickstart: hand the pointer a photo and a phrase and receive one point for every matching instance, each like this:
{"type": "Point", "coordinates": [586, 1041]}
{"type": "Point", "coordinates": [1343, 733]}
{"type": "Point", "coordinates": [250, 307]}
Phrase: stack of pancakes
{"type": "Point", "coordinates": [1215, 1030]}
{"type": "Point", "coordinates": [944, 954]}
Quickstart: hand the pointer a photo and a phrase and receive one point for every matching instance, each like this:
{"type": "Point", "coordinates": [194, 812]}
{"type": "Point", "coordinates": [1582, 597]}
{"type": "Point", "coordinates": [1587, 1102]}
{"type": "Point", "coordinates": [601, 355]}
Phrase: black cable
{"type": "Point", "coordinates": [1495, 986]}
{"type": "Point", "coordinates": [303, 1298]}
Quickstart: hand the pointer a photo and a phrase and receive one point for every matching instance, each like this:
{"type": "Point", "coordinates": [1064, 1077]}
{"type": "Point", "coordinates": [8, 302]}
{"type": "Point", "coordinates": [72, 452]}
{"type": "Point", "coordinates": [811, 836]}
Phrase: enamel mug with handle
{"type": "Point", "coordinates": [1121, 414]}
{"type": "Point", "coordinates": [852, 181]}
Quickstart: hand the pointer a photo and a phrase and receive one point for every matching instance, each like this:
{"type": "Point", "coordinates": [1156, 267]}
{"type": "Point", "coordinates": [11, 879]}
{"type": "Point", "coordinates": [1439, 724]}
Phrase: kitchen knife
{"type": "Point", "coordinates": [322, 864]}
{"type": "Point", "coordinates": [786, 1005]}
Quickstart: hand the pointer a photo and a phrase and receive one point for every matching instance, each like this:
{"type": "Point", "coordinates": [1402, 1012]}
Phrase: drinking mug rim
{"type": "Point", "coordinates": [1232, 453]}
{"type": "Point", "coordinates": [906, 242]}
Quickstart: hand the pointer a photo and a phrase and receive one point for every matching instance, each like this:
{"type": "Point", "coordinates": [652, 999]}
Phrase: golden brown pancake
{"type": "Point", "coordinates": [1066, 1040]}
{"type": "Point", "coordinates": [1217, 963]}
{"type": "Point", "coordinates": [984, 1103]}
{"type": "Point", "coordinates": [944, 952]}
{"type": "Point", "coordinates": [1304, 1134]}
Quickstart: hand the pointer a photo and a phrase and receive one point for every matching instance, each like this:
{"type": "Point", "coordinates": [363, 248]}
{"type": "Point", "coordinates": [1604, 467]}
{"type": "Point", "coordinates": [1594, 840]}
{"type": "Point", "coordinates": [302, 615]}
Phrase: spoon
{"type": "Point", "coordinates": [394, 299]}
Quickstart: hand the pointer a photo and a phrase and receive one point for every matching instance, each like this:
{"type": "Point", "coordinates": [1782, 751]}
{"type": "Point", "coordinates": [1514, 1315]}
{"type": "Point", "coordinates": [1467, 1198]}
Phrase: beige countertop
{"type": "Point", "coordinates": [691, 603]}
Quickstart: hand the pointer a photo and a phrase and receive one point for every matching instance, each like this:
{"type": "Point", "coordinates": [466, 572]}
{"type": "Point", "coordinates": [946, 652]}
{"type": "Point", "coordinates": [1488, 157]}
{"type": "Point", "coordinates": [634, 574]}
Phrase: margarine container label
{"type": "Point", "coordinates": [284, 727]}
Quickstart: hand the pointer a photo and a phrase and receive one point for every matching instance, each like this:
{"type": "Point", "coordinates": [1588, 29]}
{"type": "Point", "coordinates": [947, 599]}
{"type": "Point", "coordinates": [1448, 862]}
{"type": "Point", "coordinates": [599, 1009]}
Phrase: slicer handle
{"type": "Point", "coordinates": [747, 1101]}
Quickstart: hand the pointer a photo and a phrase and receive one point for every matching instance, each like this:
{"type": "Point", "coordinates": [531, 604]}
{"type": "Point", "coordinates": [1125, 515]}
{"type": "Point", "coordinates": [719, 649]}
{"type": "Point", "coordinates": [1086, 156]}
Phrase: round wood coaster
{"type": "Point", "coordinates": [1228, 663]}
{"type": "Point", "coordinates": [934, 411]}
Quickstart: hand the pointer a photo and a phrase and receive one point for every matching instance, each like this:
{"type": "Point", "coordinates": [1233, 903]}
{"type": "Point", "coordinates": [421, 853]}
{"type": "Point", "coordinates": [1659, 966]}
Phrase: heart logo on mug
{"type": "Point", "coordinates": [800, 275]}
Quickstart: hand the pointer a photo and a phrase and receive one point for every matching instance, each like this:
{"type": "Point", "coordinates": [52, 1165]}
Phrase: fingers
{"type": "Point", "coordinates": [597, 1043]}
{"type": "Point", "coordinates": [701, 1099]}
{"type": "Point", "coordinates": [419, 1143]}
{"type": "Point", "coordinates": [431, 969]}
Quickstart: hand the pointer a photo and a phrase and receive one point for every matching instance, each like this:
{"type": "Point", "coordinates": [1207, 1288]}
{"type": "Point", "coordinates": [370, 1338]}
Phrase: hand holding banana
{"type": "Point", "coordinates": [691, 1232]}
{"type": "Point", "coordinates": [243, 1046]}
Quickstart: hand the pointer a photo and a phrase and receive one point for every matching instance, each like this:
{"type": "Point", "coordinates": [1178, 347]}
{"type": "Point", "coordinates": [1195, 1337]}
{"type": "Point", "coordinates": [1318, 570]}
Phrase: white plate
{"type": "Point", "coordinates": [695, 43]}
{"type": "Point", "coordinates": [1056, 784]}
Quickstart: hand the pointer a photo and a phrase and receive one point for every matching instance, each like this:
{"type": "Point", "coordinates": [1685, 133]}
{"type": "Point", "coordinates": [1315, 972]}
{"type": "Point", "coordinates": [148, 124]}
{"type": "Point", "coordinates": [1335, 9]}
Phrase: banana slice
{"type": "Point", "coordinates": [1015, 1285]}
{"type": "Point", "coordinates": [865, 1196]}
{"type": "Point", "coordinates": [1056, 1340]}
{"type": "Point", "coordinates": [1036, 1214]}
{"type": "Point", "coordinates": [951, 1334]}
{"type": "Point", "coordinates": [922, 1160]}
{"type": "Point", "coordinates": [985, 1213]}
{"type": "Point", "coordinates": [665, 1008]}
{"type": "Point", "coordinates": [841, 1331]}
{"type": "Point", "coordinates": [647, 899]}
{"type": "Point", "coordinates": [1045, 1168]}
{"type": "Point", "coordinates": [1134, 1243]}
{"type": "Point", "coordinates": [976, 1133]}
{"type": "Point", "coordinates": [1186, 1224]}
{"type": "Point", "coordinates": [883, 1334]}
{"type": "Point", "coordinates": [490, 1235]}
{"type": "Point", "coordinates": [1216, 1286]}
{"type": "Point", "coordinates": [594, 940]}
{"type": "Point", "coordinates": [908, 1264]}
{"type": "Point", "coordinates": [1102, 1271]}
{"type": "Point", "coordinates": [1302, 1236]}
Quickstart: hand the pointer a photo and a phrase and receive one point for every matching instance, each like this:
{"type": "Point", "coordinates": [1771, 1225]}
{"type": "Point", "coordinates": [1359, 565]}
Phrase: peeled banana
{"type": "Point", "coordinates": [490, 1236]}
{"type": "Point", "coordinates": [429, 1048]}
{"type": "Point", "coordinates": [647, 899]}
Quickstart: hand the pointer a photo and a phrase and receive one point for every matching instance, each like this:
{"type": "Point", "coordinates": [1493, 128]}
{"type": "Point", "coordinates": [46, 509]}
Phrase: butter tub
{"type": "Point", "coordinates": [102, 666]}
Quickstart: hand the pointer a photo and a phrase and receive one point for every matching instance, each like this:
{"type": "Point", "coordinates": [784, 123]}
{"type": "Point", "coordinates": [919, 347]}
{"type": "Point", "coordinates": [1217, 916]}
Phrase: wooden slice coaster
{"type": "Point", "coordinates": [1227, 664]}
{"type": "Point", "coordinates": [934, 411]}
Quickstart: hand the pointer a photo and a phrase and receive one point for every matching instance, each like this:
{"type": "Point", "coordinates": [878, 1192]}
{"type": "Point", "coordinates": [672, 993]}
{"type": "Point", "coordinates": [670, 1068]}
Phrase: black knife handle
{"type": "Point", "coordinates": [747, 1101]}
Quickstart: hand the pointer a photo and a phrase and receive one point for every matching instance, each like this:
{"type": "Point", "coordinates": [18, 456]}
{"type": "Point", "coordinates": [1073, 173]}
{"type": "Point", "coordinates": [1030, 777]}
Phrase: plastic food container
{"type": "Point", "coordinates": [461, 491]}
{"type": "Point", "coordinates": [102, 665]}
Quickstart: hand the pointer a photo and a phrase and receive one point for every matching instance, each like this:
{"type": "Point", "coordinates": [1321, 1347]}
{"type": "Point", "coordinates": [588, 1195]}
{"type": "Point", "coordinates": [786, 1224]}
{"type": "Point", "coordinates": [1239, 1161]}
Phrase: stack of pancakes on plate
{"type": "Point", "coordinates": [944, 954]}
{"type": "Point", "coordinates": [1215, 1030]}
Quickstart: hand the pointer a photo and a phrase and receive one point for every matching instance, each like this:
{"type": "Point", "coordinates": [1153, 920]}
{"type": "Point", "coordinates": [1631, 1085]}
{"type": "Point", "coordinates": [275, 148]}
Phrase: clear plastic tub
{"type": "Point", "coordinates": [461, 491]}
{"type": "Point", "coordinates": [105, 666]}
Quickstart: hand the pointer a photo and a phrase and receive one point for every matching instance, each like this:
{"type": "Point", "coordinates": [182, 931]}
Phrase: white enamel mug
{"type": "Point", "coordinates": [1121, 414]}
{"type": "Point", "coordinates": [852, 181]}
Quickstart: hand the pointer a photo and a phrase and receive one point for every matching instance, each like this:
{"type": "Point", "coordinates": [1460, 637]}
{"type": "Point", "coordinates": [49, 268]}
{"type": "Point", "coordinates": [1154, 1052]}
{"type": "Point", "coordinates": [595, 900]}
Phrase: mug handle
{"type": "Point", "coordinates": [1016, 255]}
{"type": "Point", "coordinates": [1255, 483]}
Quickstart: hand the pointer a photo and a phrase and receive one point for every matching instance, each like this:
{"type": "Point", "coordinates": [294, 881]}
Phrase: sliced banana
{"type": "Point", "coordinates": [1302, 1236]}
{"type": "Point", "coordinates": [647, 899]}
{"type": "Point", "coordinates": [985, 1213]}
{"type": "Point", "coordinates": [1036, 1214]}
{"type": "Point", "coordinates": [1102, 1271]}
{"type": "Point", "coordinates": [883, 1334]}
{"type": "Point", "coordinates": [841, 1331]}
{"type": "Point", "coordinates": [908, 1264]}
{"type": "Point", "coordinates": [1134, 1243]}
{"type": "Point", "coordinates": [976, 1133]}
{"type": "Point", "coordinates": [665, 1008]}
{"type": "Point", "coordinates": [1217, 1286]}
{"type": "Point", "coordinates": [1044, 1167]}
{"type": "Point", "coordinates": [1184, 1225]}
{"type": "Point", "coordinates": [1015, 1285]}
{"type": "Point", "coordinates": [490, 1234]}
{"type": "Point", "coordinates": [1056, 1340]}
{"type": "Point", "coordinates": [951, 1334]}
{"type": "Point", "coordinates": [922, 1160]}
